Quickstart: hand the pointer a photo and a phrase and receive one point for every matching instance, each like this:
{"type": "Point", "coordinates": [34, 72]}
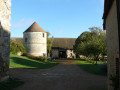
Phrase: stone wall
{"type": "Point", "coordinates": [70, 54]}
{"type": "Point", "coordinates": [5, 16]}
{"type": "Point", "coordinates": [112, 42]}
{"type": "Point", "coordinates": [35, 43]}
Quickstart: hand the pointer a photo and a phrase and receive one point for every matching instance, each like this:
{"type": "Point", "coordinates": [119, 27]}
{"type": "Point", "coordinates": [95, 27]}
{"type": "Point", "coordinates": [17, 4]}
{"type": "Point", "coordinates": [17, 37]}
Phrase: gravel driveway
{"type": "Point", "coordinates": [65, 76]}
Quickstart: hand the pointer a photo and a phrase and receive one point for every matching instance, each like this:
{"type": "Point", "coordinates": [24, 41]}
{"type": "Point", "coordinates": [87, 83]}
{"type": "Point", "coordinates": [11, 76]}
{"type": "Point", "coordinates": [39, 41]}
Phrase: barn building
{"type": "Point", "coordinates": [35, 40]}
{"type": "Point", "coordinates": [63, 48]}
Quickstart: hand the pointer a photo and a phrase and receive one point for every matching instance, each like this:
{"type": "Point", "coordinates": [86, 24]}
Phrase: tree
{"type": "Point", "coordinates": [16, 47]}
{"type": "Point", "coordinates": [80, 43]}
{"type": "Point", "coordinates": [100, 39]}
{"type": "Point", "coordinates": [91, 43]}
{"type": "Point", "coordinates": [49, 44]}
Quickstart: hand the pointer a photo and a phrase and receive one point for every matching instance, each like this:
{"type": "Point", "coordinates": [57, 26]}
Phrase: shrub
{"type": "Point", "coordinates": [16, 47]}
{"type": "Point", "coordinates": [39, 58]}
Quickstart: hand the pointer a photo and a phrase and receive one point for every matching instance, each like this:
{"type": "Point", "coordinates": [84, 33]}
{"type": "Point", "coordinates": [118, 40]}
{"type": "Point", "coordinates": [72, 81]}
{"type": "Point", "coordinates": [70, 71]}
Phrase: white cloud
{"type": "Point", "coordinates": [21, 23]}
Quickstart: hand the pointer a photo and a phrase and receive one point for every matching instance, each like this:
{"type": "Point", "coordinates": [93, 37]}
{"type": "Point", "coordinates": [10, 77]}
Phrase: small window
{"type": "Point", "coordinates": [43, 35]}
{"type": "Point", "coordinates": [25, 39]}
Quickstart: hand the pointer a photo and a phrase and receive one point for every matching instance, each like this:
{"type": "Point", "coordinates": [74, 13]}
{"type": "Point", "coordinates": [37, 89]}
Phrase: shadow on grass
{"type": "Point", "coordinates": [92, 68]}
{"type": "Point", "coordinates": [23, 62]}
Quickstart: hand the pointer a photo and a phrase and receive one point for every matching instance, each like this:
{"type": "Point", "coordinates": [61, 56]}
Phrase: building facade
{"type": "Point", "coordinates": [35, 40]}
{"type": "Point", "coordinates": [5, 26]}
{"type": "Point", "coordinates": [63, 48]}
{"type": "Point", "coordinates": [112, 26]}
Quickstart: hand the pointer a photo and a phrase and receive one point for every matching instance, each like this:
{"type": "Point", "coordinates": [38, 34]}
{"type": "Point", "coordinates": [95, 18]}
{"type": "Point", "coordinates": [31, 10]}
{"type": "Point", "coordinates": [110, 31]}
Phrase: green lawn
{"type": "Point", "coordinates": [91, 68]}
{"type": "Point", "coordinates": [24, 62]}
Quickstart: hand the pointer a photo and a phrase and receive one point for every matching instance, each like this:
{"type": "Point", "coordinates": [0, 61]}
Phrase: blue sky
{"type": "Point", "coordinates": [62, 18]}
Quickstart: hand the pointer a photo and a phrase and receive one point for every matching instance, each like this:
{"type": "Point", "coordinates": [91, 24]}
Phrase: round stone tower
{"type": "Point", "coordinates": [35, 40]}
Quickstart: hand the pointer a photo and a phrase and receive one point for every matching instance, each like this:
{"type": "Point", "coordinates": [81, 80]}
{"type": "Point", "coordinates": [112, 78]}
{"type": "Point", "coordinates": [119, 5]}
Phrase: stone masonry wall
{"type": "Point", "coordinates": [70, 54]}
{"type": "Point", "coordinates": [35, 43]}
{"type": "Point", "coordinates": [5, 16]}
{"type": "Point", "coordinates": [112, 42]}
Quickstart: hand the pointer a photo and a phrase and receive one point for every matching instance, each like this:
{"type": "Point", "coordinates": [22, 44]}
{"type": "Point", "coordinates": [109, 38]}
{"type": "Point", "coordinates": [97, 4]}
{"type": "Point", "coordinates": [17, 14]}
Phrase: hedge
{"type": "Point", "coordinates": [16, 47]}
{"type": "Point", "coordinates": [38, 58]}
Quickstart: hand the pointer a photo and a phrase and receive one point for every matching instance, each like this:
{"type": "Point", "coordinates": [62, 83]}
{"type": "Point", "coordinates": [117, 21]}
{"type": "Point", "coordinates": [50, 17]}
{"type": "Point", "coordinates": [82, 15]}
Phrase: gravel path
{"type": "Point", "coordinates": [65, 76]}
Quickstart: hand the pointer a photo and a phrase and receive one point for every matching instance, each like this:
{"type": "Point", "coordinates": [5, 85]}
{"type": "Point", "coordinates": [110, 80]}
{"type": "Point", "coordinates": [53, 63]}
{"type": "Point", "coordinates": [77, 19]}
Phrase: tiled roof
{"type": "Point", "coordinates": [34, 28]}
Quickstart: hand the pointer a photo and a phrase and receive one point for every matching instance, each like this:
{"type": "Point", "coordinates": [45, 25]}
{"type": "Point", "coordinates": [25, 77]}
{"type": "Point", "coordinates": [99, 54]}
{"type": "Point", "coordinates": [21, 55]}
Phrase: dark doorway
{"type": "Point", "coordinates": [62, 54]}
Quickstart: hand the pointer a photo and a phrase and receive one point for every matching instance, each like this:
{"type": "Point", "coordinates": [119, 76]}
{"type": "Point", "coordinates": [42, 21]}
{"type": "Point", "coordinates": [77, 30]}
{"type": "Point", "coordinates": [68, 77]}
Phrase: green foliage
{"type": "Point", "coordinates": [91, 44]}
{"type": "Point", "coordinates": [16, 47]}
{"type": "Point", "coordinates": [49, 44]}
{"type": "Point", "coordinates": [39, 58]}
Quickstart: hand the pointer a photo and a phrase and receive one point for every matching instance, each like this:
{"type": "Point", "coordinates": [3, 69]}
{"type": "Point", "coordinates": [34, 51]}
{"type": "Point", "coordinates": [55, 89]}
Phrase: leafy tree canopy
{"type": "Point", "coordinates": [91, 43]}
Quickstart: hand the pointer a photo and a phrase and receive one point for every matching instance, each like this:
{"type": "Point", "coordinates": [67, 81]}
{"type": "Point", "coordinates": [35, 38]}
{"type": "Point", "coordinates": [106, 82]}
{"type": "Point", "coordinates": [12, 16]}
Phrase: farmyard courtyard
{"type": "Point", "coordinates": [60, 45]}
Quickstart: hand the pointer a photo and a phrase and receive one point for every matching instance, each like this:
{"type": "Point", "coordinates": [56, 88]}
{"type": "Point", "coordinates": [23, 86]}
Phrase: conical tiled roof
{"type": "Point", "coordinates": [34, 28]}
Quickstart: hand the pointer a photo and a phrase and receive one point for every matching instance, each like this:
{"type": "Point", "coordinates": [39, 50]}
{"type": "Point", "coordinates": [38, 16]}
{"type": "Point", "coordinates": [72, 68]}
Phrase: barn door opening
{"type": "Point", "coordinates": [62, 54]}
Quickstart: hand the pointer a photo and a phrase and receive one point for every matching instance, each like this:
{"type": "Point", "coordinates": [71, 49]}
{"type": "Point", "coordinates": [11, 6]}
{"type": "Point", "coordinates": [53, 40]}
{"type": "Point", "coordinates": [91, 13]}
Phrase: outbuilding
{"type": "Point", "coordinates": [112, 26]}
{"type": "Point", "coordinates": [35, 40]}
{"type": "Point", "coordinates": [63, 48]}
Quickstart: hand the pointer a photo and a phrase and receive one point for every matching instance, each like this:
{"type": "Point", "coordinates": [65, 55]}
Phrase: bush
{"type": "Point", "coordinates": [39, 58]}
{"type": "Point", "coordinates": [16, 47]}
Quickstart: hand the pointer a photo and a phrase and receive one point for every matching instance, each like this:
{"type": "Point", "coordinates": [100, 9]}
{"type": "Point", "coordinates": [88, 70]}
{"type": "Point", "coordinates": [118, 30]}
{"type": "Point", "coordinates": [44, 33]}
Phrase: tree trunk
{"type": "Point", "coordinates": [96, 59]}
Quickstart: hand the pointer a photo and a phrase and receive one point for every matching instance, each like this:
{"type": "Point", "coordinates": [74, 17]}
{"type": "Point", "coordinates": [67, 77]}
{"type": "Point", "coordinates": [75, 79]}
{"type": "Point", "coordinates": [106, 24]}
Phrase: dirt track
{"type": "Point", "coordinates": [65, 76]}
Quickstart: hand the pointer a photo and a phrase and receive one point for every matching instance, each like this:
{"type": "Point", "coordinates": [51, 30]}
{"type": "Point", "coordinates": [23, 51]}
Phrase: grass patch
{"type": "Point", "coordinates": [10, 84]}
{"type": "Point", "coordinates": [24, 62]}
{"type": "Point", "coordinates": [91, 68]}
